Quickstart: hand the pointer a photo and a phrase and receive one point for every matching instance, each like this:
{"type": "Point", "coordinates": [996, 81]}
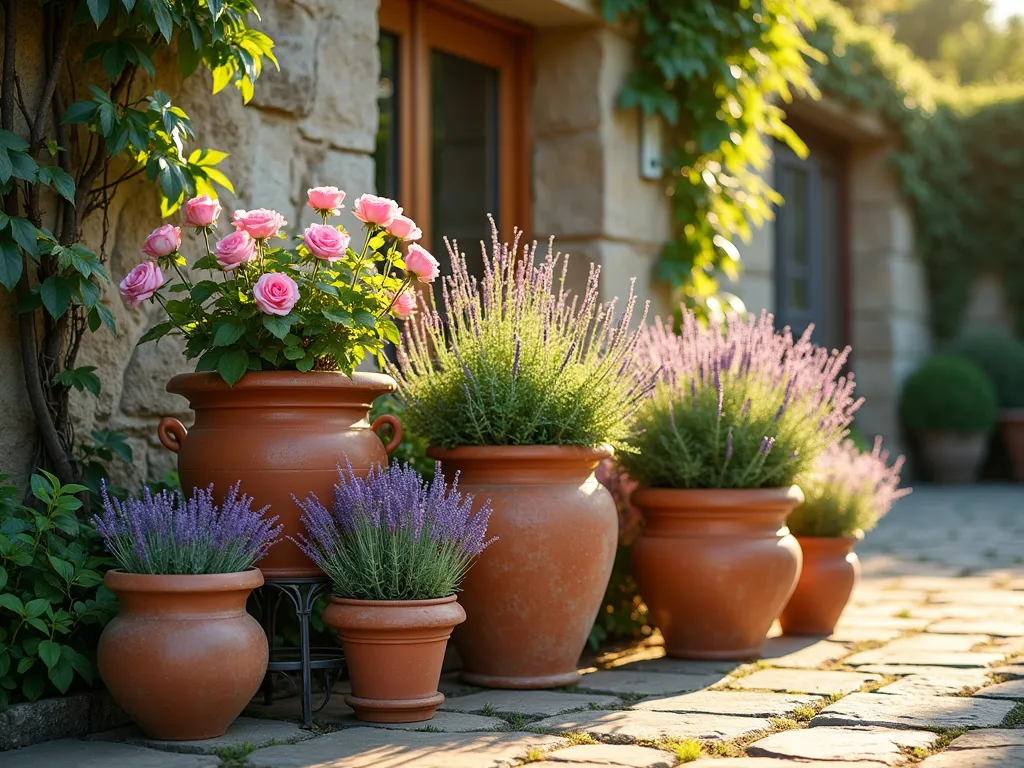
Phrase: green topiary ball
{"type": "Point", "coordinates": [948, 393]}
{"type": "Point", "coordinates": [1000, 357]}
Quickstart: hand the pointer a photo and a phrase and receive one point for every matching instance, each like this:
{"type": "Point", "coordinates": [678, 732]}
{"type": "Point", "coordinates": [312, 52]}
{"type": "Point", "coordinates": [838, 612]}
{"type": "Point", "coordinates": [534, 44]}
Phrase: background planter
{"type": "Point", "coordinates": [716, 567]}
{"type": "Point", "coordinates": [953, 458]}
{"type": "Point", "coordinates": [394, 650]}
{"type": "Point", "coordinates": [532, 598]}
{"type": "Point", "coordinates": [1011, 423]}
{"type": "Point", "coordinates": [183, 657]}
{"type": "Point", "coordinates": [280, 433]}
{"type": "Point", "coordinates": [830, 571]}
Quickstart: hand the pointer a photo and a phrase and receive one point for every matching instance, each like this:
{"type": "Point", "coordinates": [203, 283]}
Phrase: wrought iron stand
{"type": "Point", "coordinates": [301, 593]}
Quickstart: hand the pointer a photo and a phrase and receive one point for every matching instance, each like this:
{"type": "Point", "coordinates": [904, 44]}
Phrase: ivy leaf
{"type": "Point", "coordinates": [79, 112]}
{"type": "Point", "coordinates": [98, 9]}
{"type": "Point", "coordinates": [188, 56]}
{"type": "Point", "coordinates": [11, 264]}
{"type": "Point", "coordinates": [56, 295]}
{"type": "Point", "coordinates": [277, 325]}
{"type": "Point", "coordinates": [232, 365]}
{"type": "Point", "coordinates": [57, 177]}
{"type": "Point", "coordinates": [24, 234]}
{"type": "Point", "coordinates": [156, 332]}
{"type": "Point", "coordinates": [163, 18]}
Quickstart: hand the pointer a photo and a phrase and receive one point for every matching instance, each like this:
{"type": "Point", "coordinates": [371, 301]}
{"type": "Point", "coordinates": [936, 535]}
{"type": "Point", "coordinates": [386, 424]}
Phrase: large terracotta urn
{"type": "Point", "coordinates": [530, 603]}
{"type": "Point", "coordinates": [183, 658]}
{"type": "Point", "coordinates": [394, 650]}
{"type": "Point", "coordinates": [829, 573]}
{"type": "Point", "coordinates": [715, 567]}
{"type": "Point", "coordinates": [281, 433]}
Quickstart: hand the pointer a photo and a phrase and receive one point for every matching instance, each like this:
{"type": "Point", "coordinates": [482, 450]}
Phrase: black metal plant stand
{"type": "Point", "coordinates": [301, 593]}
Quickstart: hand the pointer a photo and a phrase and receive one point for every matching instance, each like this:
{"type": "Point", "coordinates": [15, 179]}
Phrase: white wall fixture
{"type": "Point", "coordinates": [650, 147]}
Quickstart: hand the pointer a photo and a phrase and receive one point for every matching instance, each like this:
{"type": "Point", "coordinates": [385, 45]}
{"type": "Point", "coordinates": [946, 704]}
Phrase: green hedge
{"type": "Point", "coordinates": [948, 393]}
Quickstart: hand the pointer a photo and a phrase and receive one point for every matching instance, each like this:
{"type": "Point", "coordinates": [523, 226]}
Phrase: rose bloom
{"type": "Point", "coordinates": [420, 264]}
{"type": "Point", "coordinates": [260, 224]}
{"type": "Point", "coordinates": [141, 283]}
{"type": "Point", "coordinates": [405, 304]}
{"type": "Point", "coordinates": [235, 250]}
{"type": "Point", "coordinates": [275, 293]}
{"type": "Point", "coordinates": [325, 241]}
{"type": "Point", "coordinates": [404, 228]}
{"type": "Point", "coordinates": [325, 199]}
{"type": "Point", "coordinates": [201, 212]}
{"type": "Point", "coordinates": [162, 241]}
{"type": "Point", "coordinates": [375, 210]}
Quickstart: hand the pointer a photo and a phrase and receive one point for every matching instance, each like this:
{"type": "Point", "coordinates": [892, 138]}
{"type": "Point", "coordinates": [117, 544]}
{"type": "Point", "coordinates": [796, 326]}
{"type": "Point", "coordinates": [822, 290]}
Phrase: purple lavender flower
{"type": "Point", "coordinates": [728, 445]}
{"type": "Point", "coordinates": [766, 445]}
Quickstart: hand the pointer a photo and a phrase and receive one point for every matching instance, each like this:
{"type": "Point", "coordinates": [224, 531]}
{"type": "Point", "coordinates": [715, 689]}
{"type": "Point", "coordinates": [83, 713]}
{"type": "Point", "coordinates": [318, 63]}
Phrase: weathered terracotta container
{"type": "Point", "coordinates": [183, 658]}
{"type": "Point", "coordinates": [830, 572]}
{"type": "Point", "coordinates": [280, 433]}
{"type": "Point", "coordinates": [532, 600]}
{"type": "Point", "coordinates": [1011, 423]}
{"type": "Point", "coordinates": [953, 458]}
{"type": "Point", "coordinates": [394, 650]}
{"type": "Point", "coordinates": [715, 567]}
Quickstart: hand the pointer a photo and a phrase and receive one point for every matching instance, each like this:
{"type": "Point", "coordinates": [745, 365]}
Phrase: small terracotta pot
{"type": "Point", "coordinates": [183, 658]}
{"type": "Point", "coordinates": [953, 458]}
{"type": "Point", "coordinates": [534, 594]}
{"type": "Point", "coordinates": [394, 650]}
{"type": "Point", "coordinates": [830, 572]}
{"type": "Point", "coordinates": [1011, 423]}
{"type": "Point", "coordinates": [280, 433]}
{"type": "Point", "coordinates": [716, 567]}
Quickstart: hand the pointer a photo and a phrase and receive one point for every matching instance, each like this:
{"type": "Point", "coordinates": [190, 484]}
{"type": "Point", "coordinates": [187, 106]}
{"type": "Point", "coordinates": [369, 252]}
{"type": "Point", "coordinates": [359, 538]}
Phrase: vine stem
{"type": "Point", "coordinates": [401, 289]}
{"type": "Point", "coordinates": [359, 263]}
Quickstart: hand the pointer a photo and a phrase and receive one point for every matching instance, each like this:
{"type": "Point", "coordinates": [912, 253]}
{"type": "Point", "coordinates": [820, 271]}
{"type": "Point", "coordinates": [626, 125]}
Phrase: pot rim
{"type": "Point", "coordinates": [189, 383]}
{"type": "Point", "coordinates": [120, 581]}
{"type": "Point", "coordinates": [842, 543]}
{"type": "Point", "coordinates": [522, 452]}
{"type": "Point", "coordinates": [728, 499]}
{"type": "Point", "coordinates": [351, 601]}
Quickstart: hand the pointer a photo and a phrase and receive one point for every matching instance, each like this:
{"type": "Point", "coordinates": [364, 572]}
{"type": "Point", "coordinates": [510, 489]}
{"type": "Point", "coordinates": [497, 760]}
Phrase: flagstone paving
{"type": "Point", "coordinates": [925, 668]}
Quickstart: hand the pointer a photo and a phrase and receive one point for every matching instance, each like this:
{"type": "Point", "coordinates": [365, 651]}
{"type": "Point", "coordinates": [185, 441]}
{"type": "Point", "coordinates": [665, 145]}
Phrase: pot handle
{"type": "Point", "coordinates": [396, 428]}
{"type": "Point", "coordinates": [171, 433]}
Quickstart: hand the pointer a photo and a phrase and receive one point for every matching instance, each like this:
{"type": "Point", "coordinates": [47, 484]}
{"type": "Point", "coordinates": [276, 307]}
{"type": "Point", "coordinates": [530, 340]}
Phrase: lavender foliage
{"type": "Point", "coordinates": [736, 405]}
{"type": "Point", "coordinates": [393, 536]}
{"type": "Point", "coordinates": [847, 492]}
{"type": "Point", "coordinates": [516, 359]}
{"type": "Point", "coordinates": [166, 533]}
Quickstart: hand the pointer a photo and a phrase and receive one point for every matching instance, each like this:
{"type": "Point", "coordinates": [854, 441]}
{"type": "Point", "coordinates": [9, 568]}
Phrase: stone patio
{"type": "Point", "coordinates": [927, 667]}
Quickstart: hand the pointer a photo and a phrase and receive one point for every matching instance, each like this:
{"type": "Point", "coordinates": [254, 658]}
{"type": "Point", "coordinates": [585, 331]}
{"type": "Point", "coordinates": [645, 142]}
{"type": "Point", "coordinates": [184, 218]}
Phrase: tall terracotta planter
{"type": "Point", "coordinates": [394, 650]}
{"type": "Point", "coordinates": [280, 433]}
{"type": "Point", "coordinates": [716, 567]}
{"type": "Point", "coordinates": [532, 600]}
{"type": "Point", "coordinates": [183, 658]}
{"type": "Point", "coordinates": [1011, 423]}
{"type": "Point", "coordinates": [830, 572]}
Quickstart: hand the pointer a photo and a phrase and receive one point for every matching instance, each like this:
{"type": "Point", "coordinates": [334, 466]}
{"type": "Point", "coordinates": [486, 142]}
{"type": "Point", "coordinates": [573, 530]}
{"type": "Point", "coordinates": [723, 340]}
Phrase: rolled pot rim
{"type": "Point", "coordinates": [212, 382]}
{"type": "Point", "coordinates": [393, 603]}
{"type": "Point", "coordinates": [733, 499]}
{"type": "Point", "coordinates": [121, 581]}
{"type": "Point", "coordinates": [522, 452]}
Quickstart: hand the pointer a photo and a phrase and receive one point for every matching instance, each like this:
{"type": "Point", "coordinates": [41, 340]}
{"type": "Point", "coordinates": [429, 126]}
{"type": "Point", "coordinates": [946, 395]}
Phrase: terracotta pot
{"type": "Point", "coordinates": [280, 433]}
{"type": "Point", "coordinates": [532, 597]}
{"type": "Point", "coordinates": [394, 650]}
{"type": "Point", "coordinates": [953, 458]}
{"type": "Point", "coordinates": [830, 571]}
{"type": "Point", "coordinates": [716, 567]}
{"type": "Point", "coordinates": [1011, 422]}
{"type": "Point", "coordinates": [183, 658]}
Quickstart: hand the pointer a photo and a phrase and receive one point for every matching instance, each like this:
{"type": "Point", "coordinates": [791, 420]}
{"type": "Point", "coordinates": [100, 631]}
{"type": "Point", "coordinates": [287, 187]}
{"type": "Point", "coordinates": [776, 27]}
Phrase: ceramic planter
{"type": "Point", "coordinates": [532, 600]}
{"type": "Point", "coordinates": [953, 458]}
{"type": "Point", "coordinates": [280, 433]}
{"type": "Point", "coordinates": [716, 567]}
{"type": "Point", "coordinates": [183, 658]}
{"type": "Point", "coordinates": [1011, 423]}
{"type": "Point", "coordinates": [394, 650]}
{"type": "Point", "coordinates": [830, 572]}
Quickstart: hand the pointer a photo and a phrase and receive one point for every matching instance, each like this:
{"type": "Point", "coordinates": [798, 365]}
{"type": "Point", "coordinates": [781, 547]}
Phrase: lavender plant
{"type": "Point", "coordinates": [847, 492]}
{"type": "Point", "coordinates": [737, 405]}
{"type": "Point", "coordinates": [167, 534]}
{"type": "Point", "coordinates": [517, 359]}
{"type": "Point", "coordinates": [392, 536]}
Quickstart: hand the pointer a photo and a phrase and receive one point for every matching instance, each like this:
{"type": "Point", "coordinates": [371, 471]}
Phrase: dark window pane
{"type": "Point", "coordinates": [796, 207]}
{"type": "Point", "coordinates": [464, 154]}
{"type": "Point", "coordinates": [386, 154]}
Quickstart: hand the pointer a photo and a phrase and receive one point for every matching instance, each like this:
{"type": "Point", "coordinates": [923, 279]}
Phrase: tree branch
{"type": "Point", "coordinates": [7, 92]}
{"type": "Point", "coordinates": [56, 59]}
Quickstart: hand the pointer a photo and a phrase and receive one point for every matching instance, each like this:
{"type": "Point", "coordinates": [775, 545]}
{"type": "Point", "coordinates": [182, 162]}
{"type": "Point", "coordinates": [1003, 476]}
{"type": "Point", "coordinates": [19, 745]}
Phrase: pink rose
{"type": "Point", "coordinates": [260, 224]}
{"type": "Point", "coordinates": [235, 250]}
{"type": "Point", "coordinates": [162, 241]}
{"type": "Point", "coordinates": [325, 241]}
{"type": "Point", "coordinates": [405, 304]}
{"type": "Point", "coordinates": [201, 212]}
{"type": "Point", "coordinates": [275, 293]}
{"type": "Point", "coordinates": [404, 228]}
{"type": "Point", "coordinates": [420, 264]}
{"type": "Point", "coordinates": [375, 210]}
{"type": "Point", "coordinates": [325, 199]}
{"type": "Point", "coordinates": [141, 283]}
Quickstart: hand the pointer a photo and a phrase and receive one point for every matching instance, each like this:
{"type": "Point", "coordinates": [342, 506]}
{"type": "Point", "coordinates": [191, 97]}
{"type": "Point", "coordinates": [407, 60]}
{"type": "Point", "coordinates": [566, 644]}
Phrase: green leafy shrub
{"type": "Point", "coordinates": [413, 448]}
{"type": "Point", "coordinates": [948, 393]}
{"type": "Point", "coordinates": [1000, 357]}
{"type": "Point", "coordinates": [52, 602]}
